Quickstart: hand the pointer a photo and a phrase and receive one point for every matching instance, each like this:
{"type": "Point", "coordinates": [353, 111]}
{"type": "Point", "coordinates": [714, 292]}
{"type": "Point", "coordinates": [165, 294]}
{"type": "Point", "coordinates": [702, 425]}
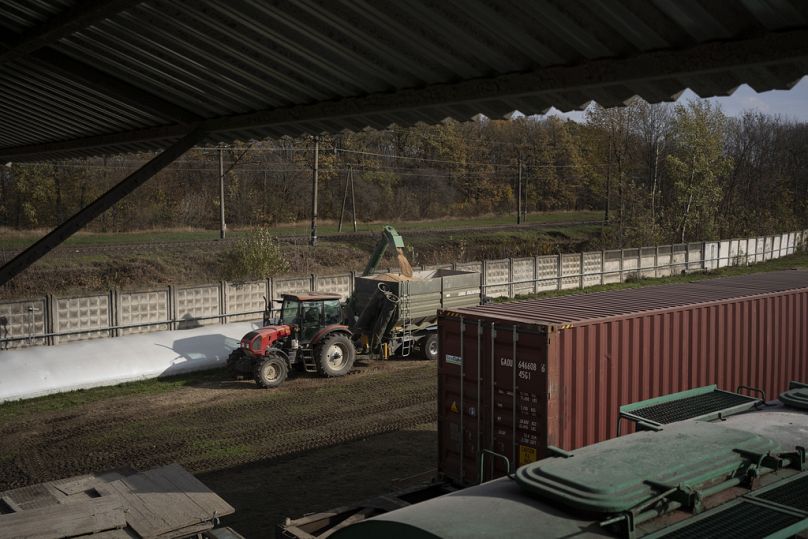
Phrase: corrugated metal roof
{"type": "Point", "coordinates": [599, 305]}
{"type": "Point", "coordinates": [253, 68]}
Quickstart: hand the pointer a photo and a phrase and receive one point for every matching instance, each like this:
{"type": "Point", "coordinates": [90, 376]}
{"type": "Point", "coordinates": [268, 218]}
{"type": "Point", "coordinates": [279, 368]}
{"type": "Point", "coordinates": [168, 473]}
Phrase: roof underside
{"type": "Point", "coordinates": [109, 76]}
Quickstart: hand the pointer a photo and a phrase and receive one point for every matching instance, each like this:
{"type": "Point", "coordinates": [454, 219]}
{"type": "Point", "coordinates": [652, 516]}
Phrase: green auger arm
{"type": "Point", "coordinates": [389, 236]}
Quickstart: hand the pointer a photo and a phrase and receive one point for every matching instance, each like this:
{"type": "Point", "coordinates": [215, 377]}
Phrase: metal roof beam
{"type": "Point", "coordinates": [77, 18]}
{"type": "Point", "coordinates": [149, 134]}
{"type": "Point", "coordinates": [98, 206]}
{"type": "Point", "coordinates": [586, 79]}
{"type": "Point", "coordinates": [103, 82]}
{"type": "Point", "coordinates": [769, 49]}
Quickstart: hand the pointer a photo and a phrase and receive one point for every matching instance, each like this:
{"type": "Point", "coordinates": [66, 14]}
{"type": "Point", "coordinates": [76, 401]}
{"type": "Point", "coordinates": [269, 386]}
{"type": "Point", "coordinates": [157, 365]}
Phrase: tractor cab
{"type": "Point", "coordinates": [308, 314]}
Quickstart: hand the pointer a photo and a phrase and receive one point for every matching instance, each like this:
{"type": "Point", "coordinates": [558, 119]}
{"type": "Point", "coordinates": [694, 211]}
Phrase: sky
{"type": "Point", "coordinates": [790, 104]}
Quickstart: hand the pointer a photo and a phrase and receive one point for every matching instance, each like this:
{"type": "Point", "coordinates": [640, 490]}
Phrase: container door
{"type": "Point", "coordinates": [483, 423]}
{"type": "Point", "coordinates": [518, 398]}
{"type": "Point", "coordinates": [460, 391]}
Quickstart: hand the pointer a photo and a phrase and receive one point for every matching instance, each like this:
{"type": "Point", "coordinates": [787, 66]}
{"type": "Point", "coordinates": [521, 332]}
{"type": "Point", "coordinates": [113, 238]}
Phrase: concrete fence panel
{"type": "Point", "coordinates": [197, 306]}
{"type": "Point", "coordinates": [470, 266]}
{"type": "Point", "coordinates": [570, 271]}
{"type": "Point", "coordinates": [22, 321]}
{"type": "Point", "coordinates": [631, 264]}
{"type": "Point", "coordinates": [497, 272]}
{"type": "Point", "coordinates": [695, 260]}
{"type": "Point", "coordinates": [336, 284]}
{"type": "Point", "coordinates": [290, 286]}
{"type": "Point", "coordinates": [679, 258]}
{"type": "Point", "coordinates": [648, 262]}
{"type": "Point", "coordinates": [523, 272]}
{"type": "Point", "coordinates": [612, 264]}
{"type": "Point", "coordinates": [148, 307]}
{"type": "Point", "coordinates": [593, 267]}
{"type": "Point", "coordinates": [244, 297]}
{"type": "Point", "coordinates": [711, 255]}
{"type": "Point", "coordinates": [664, 260]}
{"type": "Point", "coordinates": [78, 316]}
{"type": "Point", "coordinates": [546, 273]}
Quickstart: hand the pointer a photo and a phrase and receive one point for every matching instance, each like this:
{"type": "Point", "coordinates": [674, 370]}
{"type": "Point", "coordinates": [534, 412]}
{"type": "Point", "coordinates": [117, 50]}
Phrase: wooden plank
{"type": "Point", "coordinates": [186, 531]}
{"type": "Point", "coordinates": [31, 497]}
{"type": "Point", "coordinates": [158, 502]}
{"type": "Point", "coordinates": [184, 510]}
{"type": "Point", "coordinates": [75, 485]}
{"type": "Point", "coordinates": [138, 515]}
{"type": "Point", "coordinates": [114, 534]}
{"type": "Point", "coordinates": [91, 516]}
{"type": "Point", "coordinates": [195, 489]}
{"type": "Point", "coordinates": [10, 503]}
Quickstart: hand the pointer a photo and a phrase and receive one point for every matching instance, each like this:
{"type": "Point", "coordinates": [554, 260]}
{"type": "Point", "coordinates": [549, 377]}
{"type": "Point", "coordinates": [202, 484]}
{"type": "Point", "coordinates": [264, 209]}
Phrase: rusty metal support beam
{"type": "Point", "coordinates": [98, 206]}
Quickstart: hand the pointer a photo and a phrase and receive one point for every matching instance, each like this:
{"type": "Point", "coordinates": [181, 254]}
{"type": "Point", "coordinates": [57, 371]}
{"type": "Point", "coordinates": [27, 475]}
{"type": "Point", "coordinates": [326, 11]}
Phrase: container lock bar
{"type": "Point", "coordinates": [485, 452]}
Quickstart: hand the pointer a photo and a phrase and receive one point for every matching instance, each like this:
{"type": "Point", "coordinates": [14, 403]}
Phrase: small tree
{"type": "Point", "coordinates": [257, 255]}
{"type": "Point", "coordinates": [695, 165]}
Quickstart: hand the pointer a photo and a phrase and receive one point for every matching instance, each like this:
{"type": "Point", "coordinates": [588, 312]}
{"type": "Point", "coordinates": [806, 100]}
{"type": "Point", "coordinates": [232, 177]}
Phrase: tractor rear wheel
{"type": "Point", "coordinates": [270, 372]}
{"type": "Point", "coordinates": [335, 355]}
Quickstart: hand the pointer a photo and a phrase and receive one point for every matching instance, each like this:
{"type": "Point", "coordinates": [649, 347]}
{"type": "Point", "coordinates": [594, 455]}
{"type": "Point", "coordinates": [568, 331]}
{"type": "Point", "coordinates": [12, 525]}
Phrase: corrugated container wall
{"type": "Point", "coordinates": [574, 360]}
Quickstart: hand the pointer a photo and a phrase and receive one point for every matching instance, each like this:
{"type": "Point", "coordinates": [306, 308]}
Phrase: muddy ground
{"type": "Point", "coordinates": [308, 446]}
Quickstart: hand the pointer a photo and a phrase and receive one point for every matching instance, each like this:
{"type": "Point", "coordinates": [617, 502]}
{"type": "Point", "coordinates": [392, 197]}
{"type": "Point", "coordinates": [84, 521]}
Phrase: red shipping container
{"type": "Point", "coordinates": [574, 360]}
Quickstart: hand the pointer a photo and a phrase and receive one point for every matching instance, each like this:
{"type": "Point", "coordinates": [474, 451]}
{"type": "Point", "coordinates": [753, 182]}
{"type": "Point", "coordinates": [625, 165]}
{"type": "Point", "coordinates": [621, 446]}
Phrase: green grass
{"type": "Point", "coordinates": [215, 449]}
{"type": "Point", "coordinates": [62, 401]}
{"type": "Point", "coordinates": [18, 239]}
{"type": "Point", "coordinates": [799, 260]}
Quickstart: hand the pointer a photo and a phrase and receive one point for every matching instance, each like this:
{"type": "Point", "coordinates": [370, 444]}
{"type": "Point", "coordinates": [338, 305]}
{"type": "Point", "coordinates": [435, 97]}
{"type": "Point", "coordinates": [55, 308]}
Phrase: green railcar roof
{"type": "Point", "coordinates": [619, 474]}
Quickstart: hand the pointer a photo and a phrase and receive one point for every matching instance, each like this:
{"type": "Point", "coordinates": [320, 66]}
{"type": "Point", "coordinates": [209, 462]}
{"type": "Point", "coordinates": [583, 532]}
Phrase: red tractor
{"type": "Point", "coordinates": [309, 337]}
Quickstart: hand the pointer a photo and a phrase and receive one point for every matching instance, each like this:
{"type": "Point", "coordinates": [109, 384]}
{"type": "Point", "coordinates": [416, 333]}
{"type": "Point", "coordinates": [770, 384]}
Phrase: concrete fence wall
{"type": "Point", "coordinates": [51, 320]}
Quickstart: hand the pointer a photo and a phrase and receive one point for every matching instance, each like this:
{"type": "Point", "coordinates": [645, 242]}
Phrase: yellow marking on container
{"type": "Point", "coordinates": [527, 455]}
{"type": "Point", "coordinates": [454, 407]}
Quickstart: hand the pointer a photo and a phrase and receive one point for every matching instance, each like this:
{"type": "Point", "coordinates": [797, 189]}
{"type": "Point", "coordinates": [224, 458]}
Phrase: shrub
{"type": "Point", "coordinates": [257, 255]}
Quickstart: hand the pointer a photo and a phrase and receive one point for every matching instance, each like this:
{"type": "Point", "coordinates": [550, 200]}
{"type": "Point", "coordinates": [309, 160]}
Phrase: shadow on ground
{"type": "Point", "coordinates": [266, 492]}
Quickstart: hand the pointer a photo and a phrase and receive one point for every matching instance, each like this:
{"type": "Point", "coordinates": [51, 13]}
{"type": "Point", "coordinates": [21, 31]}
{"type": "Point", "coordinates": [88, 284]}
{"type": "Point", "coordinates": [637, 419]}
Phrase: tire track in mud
{"type": "Point", "coordinates": [216, 428]}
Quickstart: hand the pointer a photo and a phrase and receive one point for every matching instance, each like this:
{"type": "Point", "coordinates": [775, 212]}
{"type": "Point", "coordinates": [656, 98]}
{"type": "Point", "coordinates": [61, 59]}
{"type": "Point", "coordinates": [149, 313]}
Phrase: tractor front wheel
{"type": "Point", "coordinates": [270, 372]}
{"type": "Point", "coordinates": [335, 355]}
{"type": "Point", "coordinates": [238, 364]}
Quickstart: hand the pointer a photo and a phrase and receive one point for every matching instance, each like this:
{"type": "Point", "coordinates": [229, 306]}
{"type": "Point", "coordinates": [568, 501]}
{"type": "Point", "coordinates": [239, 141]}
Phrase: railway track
{"type": "Point", "coordinates": [126, 248]}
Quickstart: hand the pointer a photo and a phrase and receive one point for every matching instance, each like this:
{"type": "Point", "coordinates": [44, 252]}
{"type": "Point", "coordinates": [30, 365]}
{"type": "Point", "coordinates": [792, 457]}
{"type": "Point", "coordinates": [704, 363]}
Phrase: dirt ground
{"type": "Point", "coordinates": [308, 446]}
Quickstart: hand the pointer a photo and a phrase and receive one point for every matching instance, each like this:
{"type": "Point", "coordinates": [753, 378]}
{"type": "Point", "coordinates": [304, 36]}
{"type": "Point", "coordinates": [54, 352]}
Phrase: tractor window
{"type": "Point", "coordinates": [333, 312]}
{"type": "Point", "coordinates": [289, 312]}
{"type": "Point", "coordinates": [312, 319]}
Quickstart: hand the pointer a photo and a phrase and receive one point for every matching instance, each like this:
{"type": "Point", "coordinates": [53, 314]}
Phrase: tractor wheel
{"type": "Point", "coordinates": [270, 372]}
{"type": "Point", "coordinates": [429, 347]}
{"type": "Point", "coordinates": [335, 355]}
{"type": "Point", "coordinates": [238, 364]}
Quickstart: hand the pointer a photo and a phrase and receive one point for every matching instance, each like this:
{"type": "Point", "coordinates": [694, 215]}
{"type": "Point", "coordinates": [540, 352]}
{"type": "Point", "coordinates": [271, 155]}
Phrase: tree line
{"type": "Point", "coordinates": [660, 173]}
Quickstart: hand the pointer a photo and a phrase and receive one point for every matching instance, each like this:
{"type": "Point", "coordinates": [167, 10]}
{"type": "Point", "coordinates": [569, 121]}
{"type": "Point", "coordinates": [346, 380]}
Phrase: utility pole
{"type": "Point", "coordinates": [353, 202]}
{"type": "Point", "coordinates": [222, 225]}
{"type": "Point", "coordinates": [348, 182]}
{"type": "Point", "coordinates": [313, 240]}
{"type": "Point", "coordinates": [344, 198]}
{"type": "Point", "coordinates": [519, 195]}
